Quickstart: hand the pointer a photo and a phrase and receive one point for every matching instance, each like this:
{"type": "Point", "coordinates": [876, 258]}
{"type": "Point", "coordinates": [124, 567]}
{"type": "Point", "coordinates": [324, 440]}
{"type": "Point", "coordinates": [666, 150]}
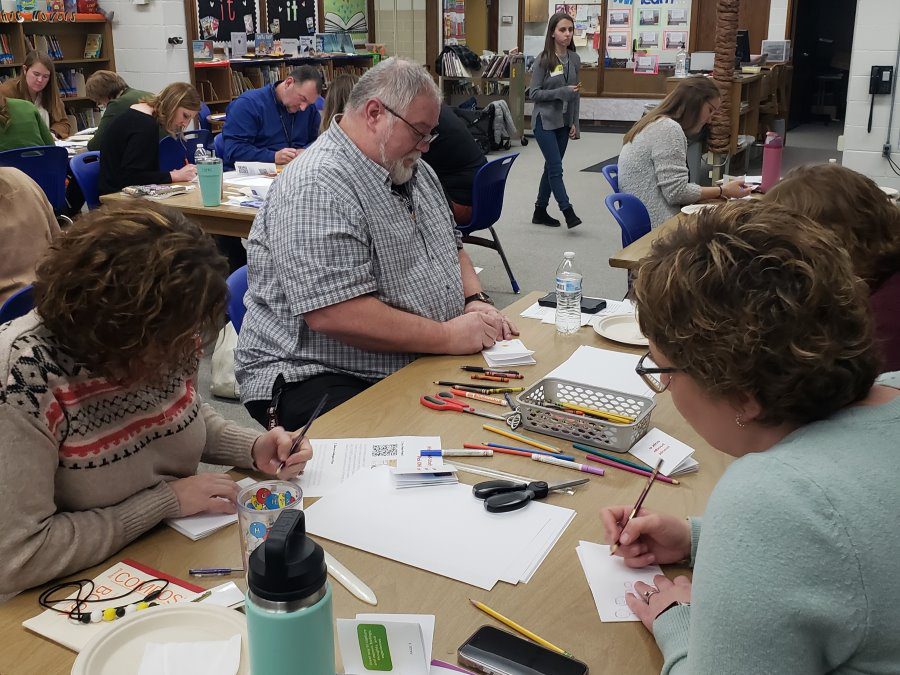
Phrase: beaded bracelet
{"type": "Point", "coordinates": [79, 614]}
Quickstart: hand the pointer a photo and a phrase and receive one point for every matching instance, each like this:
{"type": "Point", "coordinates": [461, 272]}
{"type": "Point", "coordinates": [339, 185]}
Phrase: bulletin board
{"type": "Point", "coordinates": [218, 19]}
{"type": "Point", "coordinates": [658, 29]}
{"type": "Point", "coordinates": [290, 18]}
{"type": "Point", "coordinates": [588, 27]}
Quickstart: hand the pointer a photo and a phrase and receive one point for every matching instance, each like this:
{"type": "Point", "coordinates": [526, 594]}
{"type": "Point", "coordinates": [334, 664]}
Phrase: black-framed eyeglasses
{"type": "Point", "coordinates": [424, 138]}
{"type": "Point", "coordinates": [650, 372]}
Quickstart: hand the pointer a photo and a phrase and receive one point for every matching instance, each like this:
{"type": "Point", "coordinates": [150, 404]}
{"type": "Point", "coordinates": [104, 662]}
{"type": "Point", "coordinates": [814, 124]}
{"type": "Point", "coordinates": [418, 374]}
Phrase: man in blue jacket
{"type": "Point", "coordinates": [274, 123]}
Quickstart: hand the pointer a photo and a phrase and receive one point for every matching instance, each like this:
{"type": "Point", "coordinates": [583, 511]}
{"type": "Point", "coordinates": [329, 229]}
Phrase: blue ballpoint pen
{"type": "Point", "coordinates": [214, 571]}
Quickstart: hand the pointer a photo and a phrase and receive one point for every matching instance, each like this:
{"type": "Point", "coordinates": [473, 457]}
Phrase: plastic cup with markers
{"type": "Point", "coordinates": [259, 506]}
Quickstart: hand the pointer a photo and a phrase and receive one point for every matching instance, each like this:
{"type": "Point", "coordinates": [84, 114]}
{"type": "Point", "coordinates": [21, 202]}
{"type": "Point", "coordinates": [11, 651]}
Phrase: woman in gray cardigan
{"type": "Point", "coordinates": [554, 90]}
{"type": "Point", "coordinates": [653, 161]}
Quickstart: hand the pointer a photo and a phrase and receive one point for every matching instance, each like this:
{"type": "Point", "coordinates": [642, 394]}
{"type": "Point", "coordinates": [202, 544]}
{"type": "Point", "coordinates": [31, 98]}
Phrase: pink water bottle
{"type": "Point", "coordinates": [771, 164]}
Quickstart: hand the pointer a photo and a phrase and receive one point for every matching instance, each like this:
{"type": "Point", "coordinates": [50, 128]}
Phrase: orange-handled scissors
{"type": "Point", "coordinates": [454, 405]}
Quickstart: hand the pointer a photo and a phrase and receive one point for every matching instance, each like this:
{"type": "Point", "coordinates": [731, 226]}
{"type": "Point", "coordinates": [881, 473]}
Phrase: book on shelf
{"type": "Point", "coordinates": [238, 45]}
{"type": "Point", "coordinates": [118, 579]}
{"type": "Point", "coordinates": [202, 49]}
{"type": "Point", "coordinates": [6, 54]}
{"type": "Point", "coordinates": [93, 44]}
{"type": "Point", "coordinates": [265, 44]}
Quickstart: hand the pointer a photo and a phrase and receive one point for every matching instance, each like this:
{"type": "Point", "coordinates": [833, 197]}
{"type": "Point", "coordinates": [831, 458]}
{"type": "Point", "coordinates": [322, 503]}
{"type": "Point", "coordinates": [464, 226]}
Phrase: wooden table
{"type": "Point", "coordinates": [629, 257]}
{"type": "Point", "coordinates": [556, 604]}
{"type": "Point", "coordinates": [234, 221]}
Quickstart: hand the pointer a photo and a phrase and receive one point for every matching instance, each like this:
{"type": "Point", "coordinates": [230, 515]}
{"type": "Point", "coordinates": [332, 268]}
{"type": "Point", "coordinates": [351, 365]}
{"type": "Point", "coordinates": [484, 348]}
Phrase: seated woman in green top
{"type": "Point", "coordinates": [761, 333]}
{"type": "Point", "coordinates": [108, 90]}
{"type": "Point", "coordinates": [21, 125]}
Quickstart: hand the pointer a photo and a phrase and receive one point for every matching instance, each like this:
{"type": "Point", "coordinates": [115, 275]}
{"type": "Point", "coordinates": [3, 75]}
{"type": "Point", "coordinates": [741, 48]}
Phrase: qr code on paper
{"type": "Point", "coordinates": [384, 450]}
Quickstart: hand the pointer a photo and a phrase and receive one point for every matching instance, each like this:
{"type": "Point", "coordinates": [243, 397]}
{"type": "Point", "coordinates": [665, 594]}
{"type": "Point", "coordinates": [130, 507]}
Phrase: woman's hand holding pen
{"type": "Point", "coordinates": [649, 538]}
{"type": "Point", "coordinates": [273, 448]}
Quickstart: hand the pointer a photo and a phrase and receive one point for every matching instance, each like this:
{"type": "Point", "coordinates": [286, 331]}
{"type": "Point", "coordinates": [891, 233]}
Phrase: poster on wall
{"type": "Point", "coordinates": [660, 30]}
{"type": "Point", "coordinates": [218, 19]}
{"type": "Point", "coordinates": [347, 16]}
{"type": "Point", "coordinates": [674, 39]}
{"type": "Point", "coordinates": [619, 18]}
{"type": "Point", "coordinates": [291, 18]}
{"type": "Point", "coordinates": [649, 17]}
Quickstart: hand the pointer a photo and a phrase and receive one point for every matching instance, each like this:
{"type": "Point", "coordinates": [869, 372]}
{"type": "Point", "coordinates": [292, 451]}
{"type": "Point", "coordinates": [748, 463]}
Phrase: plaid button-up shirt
{"type": "Point", "coordinates": [332, 229]}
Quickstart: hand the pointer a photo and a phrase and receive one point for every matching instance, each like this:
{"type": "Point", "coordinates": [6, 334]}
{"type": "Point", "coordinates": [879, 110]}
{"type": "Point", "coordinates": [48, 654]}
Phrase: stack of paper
{"type": "Point", "coordinates": [506, 353]}
{"type": "Point", "coordinates": [204, 524]}
{"type": "Point", "coordinates": [610, 580]}
{"type": "Point", "coordinates": [335, 460]}
{"type": "Point", "coordinates": [675, 455]}
{"type": "Point", "coordinates": [548, 314]}
{"type": "Point", "coordinates": [603, 368]}
{"type": "Point", "coordinates": [438, 529]}
{"type": "Point", "coordinates": [417, 471]}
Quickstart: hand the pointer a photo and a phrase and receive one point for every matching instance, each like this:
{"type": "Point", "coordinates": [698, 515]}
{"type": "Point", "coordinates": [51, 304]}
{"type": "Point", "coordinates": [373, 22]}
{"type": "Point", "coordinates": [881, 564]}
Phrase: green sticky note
{"type": "Point", "coordinates": [373, 647]}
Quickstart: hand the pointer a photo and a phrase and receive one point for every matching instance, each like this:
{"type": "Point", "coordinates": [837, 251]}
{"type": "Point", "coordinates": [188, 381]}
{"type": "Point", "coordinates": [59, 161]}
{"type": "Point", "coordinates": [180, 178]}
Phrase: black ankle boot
{"type": "Point", "coordinates": [541, 217]}
{"type": "Point", "coordinates": [571, 219]}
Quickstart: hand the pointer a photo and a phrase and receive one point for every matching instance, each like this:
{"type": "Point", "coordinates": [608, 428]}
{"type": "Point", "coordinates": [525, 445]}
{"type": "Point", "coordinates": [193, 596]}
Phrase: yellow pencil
{"type": "Point", "coordinates": [612, 417]}
{"type": "Point", "coordinates": [521, 439]}
{"type": "Point", "coordinates": [519, 629]}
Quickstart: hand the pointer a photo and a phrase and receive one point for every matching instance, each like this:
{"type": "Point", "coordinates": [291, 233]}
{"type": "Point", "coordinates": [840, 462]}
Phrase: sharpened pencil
{"type": "Point", "coordinates": [520, 629]}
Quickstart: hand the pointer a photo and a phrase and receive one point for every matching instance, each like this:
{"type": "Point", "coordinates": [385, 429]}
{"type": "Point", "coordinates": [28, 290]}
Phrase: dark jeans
{"type": "Point", "coordinates": [553, 147]}
{"type": "Point", "coordinates": [299, 399]}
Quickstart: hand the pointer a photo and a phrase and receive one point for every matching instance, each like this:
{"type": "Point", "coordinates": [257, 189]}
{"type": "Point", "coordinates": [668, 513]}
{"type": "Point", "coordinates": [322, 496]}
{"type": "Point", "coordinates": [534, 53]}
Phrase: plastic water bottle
{"type": "Point", "coordinates": [200, 153]}
{"type": "Point", "coordinates": [681, 62]}
{"type": "Point", "coordinates": [568, 295]}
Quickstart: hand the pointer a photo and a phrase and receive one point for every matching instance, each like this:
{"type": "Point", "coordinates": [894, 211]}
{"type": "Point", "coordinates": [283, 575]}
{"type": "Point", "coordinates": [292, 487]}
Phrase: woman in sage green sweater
{"type": "Point", "coordinates": [21, 125]}
{"type": "Point", "coordinates": [761, 333]}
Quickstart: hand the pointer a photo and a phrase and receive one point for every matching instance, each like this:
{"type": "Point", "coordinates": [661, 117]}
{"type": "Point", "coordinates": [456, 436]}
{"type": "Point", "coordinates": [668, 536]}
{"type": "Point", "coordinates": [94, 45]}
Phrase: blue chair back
{"type": "Point", "coordinates": [47, 165]}
{"type": "Point", "coordinates": [219, 145]}
{"type": "Point", "coordinates": [237, 288]}
{"type": "Point", "coordinates": [631, 214]}
{"type": "Point", "coordinates": [86, 169]}
{"type": "Point", "coordinates": [18, 304]}
{"type": "Point", "coordinates": [611, 173]}
{"type": "Point", "coordinates": [320, 104]}
{"type": "Point", "coordinates": [205, 112]}
{"type": "Point", "coordinates": [487, 193]}
{"type": "Point", "coordinates": [173, 152]}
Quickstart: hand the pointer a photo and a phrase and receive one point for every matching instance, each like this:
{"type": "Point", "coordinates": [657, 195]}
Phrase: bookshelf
{"type": "Point", "coordinates": [221, 81]}
{"type": "Point", "coordinates": [67, 40]}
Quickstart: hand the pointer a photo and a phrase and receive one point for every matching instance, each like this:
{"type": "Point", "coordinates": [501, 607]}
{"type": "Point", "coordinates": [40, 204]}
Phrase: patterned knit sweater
{"type": "Point", "coordinates": [85, 463]}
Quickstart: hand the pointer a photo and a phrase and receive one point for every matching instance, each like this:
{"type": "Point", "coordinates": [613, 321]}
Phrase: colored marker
{"type": "Point", "coordinates": [566, 464]}
{"type": "Point", "coordinates": [640, 472]}
{"type": "Point", "coordinates": [499, 446]}
{"type": "Point", "coordinates": [491, 378]}
{"type": "Point", "coordinates": [456, 453]}
{"type": "Point", "coordinates": [614, 458]}
{"type": "Point", "coordinates": [521, 439]}
{"type": "Point", "coordinates": [477, 397]}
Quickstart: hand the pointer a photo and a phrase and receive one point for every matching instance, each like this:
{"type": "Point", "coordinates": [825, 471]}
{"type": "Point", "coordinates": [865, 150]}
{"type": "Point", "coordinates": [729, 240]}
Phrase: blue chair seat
{"type": "Point", "coordinates": [237, 288]}
{"type": "Point", "coordinates": [487, 203]}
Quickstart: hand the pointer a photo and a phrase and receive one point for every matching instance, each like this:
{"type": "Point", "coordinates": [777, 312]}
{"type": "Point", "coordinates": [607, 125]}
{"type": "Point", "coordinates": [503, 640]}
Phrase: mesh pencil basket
{"type": "Point", "coordinates": [584, 428]}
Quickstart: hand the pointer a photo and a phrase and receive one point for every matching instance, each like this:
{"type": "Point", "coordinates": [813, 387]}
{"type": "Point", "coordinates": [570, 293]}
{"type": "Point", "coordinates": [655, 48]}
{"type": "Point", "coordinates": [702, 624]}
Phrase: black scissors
{"type": "Point", "coordinates": [505, 495]}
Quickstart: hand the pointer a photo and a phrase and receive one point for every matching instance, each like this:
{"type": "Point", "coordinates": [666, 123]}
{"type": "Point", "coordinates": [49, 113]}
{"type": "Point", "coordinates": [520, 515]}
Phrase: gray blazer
{"type": "Point", "coordinates": [557, 105]}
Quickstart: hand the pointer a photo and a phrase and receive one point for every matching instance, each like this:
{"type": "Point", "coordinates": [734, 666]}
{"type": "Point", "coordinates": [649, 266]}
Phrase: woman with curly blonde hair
{"type": "Point", "coordinates": [868, 224]}
{"type": "Point", "coordinates": [101, 426]}
{"type": "Point", "coordinates": [759, 331]}
{"type": "Point", "coordinates": [129, 149]}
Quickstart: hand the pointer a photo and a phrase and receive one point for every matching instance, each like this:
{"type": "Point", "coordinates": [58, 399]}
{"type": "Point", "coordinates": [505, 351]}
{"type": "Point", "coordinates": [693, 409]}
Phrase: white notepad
{"type": "Point", "coordinates": [204, 524]}
{"type": "Point", "coordinates": [610, 580]}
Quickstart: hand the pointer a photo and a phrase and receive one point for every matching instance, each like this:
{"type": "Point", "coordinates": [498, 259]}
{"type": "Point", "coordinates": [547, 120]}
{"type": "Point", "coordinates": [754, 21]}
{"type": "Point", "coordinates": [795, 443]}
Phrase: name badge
{"type": "Point", "coordinates": [558, 70]}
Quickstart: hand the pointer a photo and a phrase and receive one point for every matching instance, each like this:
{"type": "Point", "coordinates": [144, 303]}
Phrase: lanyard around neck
{"type": "Point", "coordinates": [288, 137]}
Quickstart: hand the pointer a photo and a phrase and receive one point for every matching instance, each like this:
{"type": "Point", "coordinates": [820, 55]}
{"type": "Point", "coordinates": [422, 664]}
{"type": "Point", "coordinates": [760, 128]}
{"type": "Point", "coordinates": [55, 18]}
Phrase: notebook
{"type": "Point", "coordinates": [204, 524]}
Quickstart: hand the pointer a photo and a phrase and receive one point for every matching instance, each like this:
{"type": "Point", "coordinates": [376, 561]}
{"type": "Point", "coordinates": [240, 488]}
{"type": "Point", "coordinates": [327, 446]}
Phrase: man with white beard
{"type": "Point", "coordinates": [354, 264]}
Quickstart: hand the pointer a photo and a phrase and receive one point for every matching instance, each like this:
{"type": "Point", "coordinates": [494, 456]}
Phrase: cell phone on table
{"type": "Point", "coordinates": [491, 650]}
{"type": "Point", "coordinates": [588, 305]}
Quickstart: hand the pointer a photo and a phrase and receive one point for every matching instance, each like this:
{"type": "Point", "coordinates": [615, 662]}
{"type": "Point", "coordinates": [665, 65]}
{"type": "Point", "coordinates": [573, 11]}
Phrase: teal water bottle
{"type": "Point", "coordinates": [289, 616]}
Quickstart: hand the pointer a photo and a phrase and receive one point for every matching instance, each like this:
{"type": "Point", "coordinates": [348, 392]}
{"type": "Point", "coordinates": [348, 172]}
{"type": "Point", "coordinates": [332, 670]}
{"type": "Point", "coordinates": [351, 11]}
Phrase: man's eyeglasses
{"type": "Point", "coordinates": [650, 373]}
{"type": "Point", "coordinates": [424, 138]}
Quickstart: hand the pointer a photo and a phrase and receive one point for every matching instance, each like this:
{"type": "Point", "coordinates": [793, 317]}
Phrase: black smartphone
{"type": "Point", "coordinates": [491, 650]}
{"type": "Point", "coordinates": [588, 305]}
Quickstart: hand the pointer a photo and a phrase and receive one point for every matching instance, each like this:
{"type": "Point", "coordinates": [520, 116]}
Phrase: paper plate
{"type": "Point", "coordinates": [694, 208]}
{"type": "Point", "coordinates": [119, 650]}
{"type": "Point", "coordinates": [890, 192]}
{"type": "Point", "coordinates": [622, 328]}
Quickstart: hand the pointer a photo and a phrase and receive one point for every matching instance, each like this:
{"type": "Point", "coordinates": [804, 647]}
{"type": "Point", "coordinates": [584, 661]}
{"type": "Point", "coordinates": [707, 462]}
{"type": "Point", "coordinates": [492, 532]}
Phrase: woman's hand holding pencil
{"type": "Point", "coordinates": [649, 538]}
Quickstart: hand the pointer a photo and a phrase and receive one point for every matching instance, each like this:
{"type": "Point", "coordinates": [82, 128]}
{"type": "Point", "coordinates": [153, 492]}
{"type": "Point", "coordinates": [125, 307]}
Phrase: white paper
{"type": "Point", "coordinates": [548, 314]}
{"type": "Point", "coordinates": [435, 529]}
{"type": "Point", "coordinates": [406, 647]}
{"type": "Point", "coordinates": [220, 657]}
{"type": "Point", "coordinates": [610, 580]}
{"type": "Point", "coordinates": [425, 621]}
{"type": "Point", "coordinates": [335, 460]}
{"type": "Point", "coordinates": [254, 168]}
{"type": "Point", "coordinates": [204, 524]}
{"type": "Point", "coordinates": [603, 368]}
{"type": "Point", "coordinates": [656, 445]}
{"type": "Point", "coordinates": [224, 595]}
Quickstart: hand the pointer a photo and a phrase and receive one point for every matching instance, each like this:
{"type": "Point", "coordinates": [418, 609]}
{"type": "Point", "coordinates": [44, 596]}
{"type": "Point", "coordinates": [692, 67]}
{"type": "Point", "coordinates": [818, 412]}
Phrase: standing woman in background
{"type": "Point", "coordinates": [555, 91]}
{"type": "Point", "coordinates": [37, 84]}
